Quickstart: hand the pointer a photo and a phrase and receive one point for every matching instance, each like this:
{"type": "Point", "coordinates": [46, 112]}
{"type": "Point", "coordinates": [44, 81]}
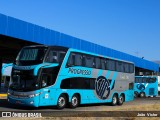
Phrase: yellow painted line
{"type": "Point", "coordinates": [3, 95]}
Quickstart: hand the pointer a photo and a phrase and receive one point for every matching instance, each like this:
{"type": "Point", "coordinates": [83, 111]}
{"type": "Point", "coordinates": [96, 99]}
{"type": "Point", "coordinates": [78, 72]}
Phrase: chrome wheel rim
{"type": "Point", "coordinates": [74, 101]}
{"type": "Point", "coordinates": [114, 100]}
{"type": "Point", "coordinates": [61, 101]}
{"type": "Point", "coordinates": [142, 94]}
{"type": "Point", "coordinates": [121, 99]}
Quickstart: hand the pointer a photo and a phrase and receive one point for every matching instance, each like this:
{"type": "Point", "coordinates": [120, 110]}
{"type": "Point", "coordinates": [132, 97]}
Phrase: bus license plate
{"type": "Point", "coordinates": [18, 102]}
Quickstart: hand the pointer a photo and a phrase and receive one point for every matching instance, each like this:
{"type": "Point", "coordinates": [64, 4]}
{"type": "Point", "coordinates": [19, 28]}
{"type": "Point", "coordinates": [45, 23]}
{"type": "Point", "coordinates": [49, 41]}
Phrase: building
{"type": "Point", "coordinates": [14, 34]}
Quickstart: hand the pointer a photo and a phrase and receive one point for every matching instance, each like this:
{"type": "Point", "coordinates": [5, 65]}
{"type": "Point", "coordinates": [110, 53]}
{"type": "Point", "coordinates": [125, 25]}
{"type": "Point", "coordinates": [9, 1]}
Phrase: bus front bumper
{"type": "Point", "coordinates": [32, 102]}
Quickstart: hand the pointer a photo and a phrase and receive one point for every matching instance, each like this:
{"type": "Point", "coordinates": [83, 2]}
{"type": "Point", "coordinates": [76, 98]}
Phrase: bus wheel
{"type": "Point", "coordinates": [142, 94]}
{"type": "Point", "coordinates": [121, 99]}
{"type": "Point", "coordinates": [135, 94]}
{"type": "Point", "coordinates": [114, 100]}
{"type": "Point", "coordinates": [74, 101]}
{"type": "Point", "coordinates": [61, 103]}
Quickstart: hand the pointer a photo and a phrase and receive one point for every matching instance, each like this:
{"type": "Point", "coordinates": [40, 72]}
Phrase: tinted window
{"type": "Point", "coordinates": [147, 80]}
{"type": "Point", "coordinates": [131, 86]}
{"type": "Point", "coordinates": [131, 68]}
{"type": "Point", "coordinates": [78, 83]}
{"type": "Point", "coordinates": [71, 60]}
{"type": "Point", "coordinates": [31, 56]}
{"type": "Point", "coordinates": [52, 57]}
{"type": "Point", "coordinates": [111, 64]}
{"type": "Point", "coordinates": [88, 61]}
{"type": "Point", "coordinates": [46, 80]}
{"type": "Point", "coordinates": [61, 56]}
{"type": "Point", "coordinates": [119, 66]}
{"type": "Point", "coordinates": [55, 56]}
{"type": "Point", "coordinates": [126, 67]}
{"type": "Point", "coordinates": [152, 80]}
{"type": "Point", "coordinates": [78, 60]}
{"type": "Point", "coordinates": [103, 63]}
{"type": "Point", "coordinates": [98, 63]}
{"type": "Point", "coordinates": [136, 80]}
{"type": "Point", "coordinates": [143, 80]}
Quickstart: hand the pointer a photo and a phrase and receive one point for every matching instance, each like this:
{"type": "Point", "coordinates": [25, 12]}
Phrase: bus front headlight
{"type": "Point", "coordinates": [31, 96]}
{"type": "Point", "coordinates": [34, 95]}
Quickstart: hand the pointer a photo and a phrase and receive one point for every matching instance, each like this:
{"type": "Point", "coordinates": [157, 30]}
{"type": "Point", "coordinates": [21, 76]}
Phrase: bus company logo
{"type": "Point", "coordinates": [102, 87]}
{"type": "Point", "coordinates": [140, 87]}
{"type": "Point", "coordinates": [79, 71]}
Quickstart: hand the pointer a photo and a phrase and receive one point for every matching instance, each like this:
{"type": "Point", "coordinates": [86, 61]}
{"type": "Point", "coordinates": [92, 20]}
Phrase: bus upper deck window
{"type": "Point", "coordinates": [71, 60]}
{"type": "Point", "coordinates": [52, 57]}
{"type": "Point", "coordinates": [78, 60]}
{"type": "Point", "coordinates": [61, 56]}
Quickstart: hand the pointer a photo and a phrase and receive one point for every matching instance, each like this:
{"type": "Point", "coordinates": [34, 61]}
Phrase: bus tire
{"type": "Point", "coordinates": [142, 94]}
{"type": "Point", "coordinates": [121, 99]}
{"type": "Point", "coordinates": [62, 100]}
{"type": "Point", "coordinates": [114, 100]}
{"type": "Point", "coordinates": [74, 101]}
{"type": "Point", "coordinates": [135, 94]}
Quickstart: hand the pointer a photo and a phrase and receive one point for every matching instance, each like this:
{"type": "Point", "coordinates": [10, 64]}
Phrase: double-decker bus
{"type": "Point", "coordinates": [54, 75]}
{"type": "Point", "coordinates": [146, 86]}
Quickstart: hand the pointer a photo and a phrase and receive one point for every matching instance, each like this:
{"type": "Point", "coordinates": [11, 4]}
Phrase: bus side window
{"type": "Point", "coordinates": [126, 67]}
{"type": "Point", "coordinates": [78, 60]}
{"type": "Point", "coordinates": [103, 63]}
{"type": "Point", "coordinates": [111, 65]}
{"type": "Point", "coordinates": [92, 83]}
{"type": "Point", "coordinates": [140, 80]}
{"type": "Point", "coordinates": [147, 80]}
{"type": "Point", "coordinates": [71, 60]}
{"type": "Point", "coordinates": [46, 80]}
{"type": "Point", "coordinates": [61, 56]}
{"type": "Point", "coordinates": [131, 68]}
{"type": "Point", "coordinates": [119, 66]}
{"type": "Point", "coordinates": [136, 80]}
{"type": "Point", "coordinates": [152, 80]}
{"type": "Point", "coordinates": [52, 57]}
{"type": "Point", "coordinates": [89, 61]}
{"type": "Point", "coordinates": [107, 64]}
{"type": "Point", "coordinates": [143, 80]}
{"type": "Point", "coordinates": [98, 63]}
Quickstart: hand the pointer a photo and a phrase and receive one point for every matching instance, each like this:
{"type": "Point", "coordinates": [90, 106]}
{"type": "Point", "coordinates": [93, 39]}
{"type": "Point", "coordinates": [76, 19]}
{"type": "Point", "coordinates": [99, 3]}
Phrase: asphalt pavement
{"type": "Point", "coordinates": [5, 106]}
{"type": "Point", "coordinates": [96, 110]}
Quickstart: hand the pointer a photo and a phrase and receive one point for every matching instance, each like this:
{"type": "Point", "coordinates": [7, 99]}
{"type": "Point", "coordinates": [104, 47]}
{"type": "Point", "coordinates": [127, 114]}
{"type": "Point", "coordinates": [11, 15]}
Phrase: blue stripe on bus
{"type": "Point", "coordinates": [100, 73]}
{"type": "Point", "coordinates": [108, 74]}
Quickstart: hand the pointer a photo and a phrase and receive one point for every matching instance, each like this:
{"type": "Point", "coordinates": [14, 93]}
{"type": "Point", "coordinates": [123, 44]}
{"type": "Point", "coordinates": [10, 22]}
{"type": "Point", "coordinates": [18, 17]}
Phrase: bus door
{"type": "Point", "coordinates": [46, 91]}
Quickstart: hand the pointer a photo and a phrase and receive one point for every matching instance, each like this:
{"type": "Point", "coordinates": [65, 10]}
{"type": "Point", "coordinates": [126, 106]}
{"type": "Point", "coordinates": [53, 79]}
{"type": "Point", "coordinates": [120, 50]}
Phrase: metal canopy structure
{"type": "Point", "coordinates": [24, 31]}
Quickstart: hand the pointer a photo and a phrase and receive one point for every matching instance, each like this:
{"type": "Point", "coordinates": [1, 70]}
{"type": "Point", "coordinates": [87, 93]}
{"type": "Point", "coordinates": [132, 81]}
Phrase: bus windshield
{"type": "Point", "coordinates": [24, 83]}
{"type": "Point", "coordinates": [31, 56]}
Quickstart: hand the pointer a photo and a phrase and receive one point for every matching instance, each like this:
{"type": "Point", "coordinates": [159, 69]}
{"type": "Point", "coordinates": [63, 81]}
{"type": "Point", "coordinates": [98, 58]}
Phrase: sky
{"type": "Point", "coordinates": [130, 26]}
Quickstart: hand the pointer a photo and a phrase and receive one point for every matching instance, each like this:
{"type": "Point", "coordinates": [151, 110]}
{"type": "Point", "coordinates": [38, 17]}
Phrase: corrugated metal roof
{"type": "Point", "coordinates": [26, 31]}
